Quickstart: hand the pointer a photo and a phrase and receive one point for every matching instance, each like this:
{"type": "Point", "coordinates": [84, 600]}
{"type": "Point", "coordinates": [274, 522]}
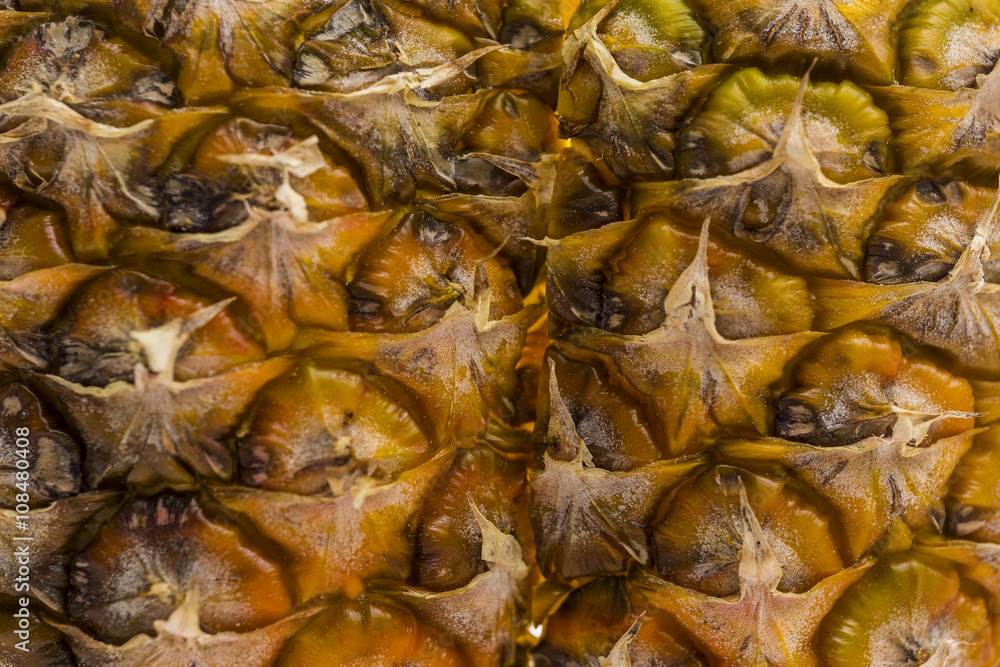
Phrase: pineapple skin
{"type": "Point", "coordinates": [269, 303]}
{"type": "Point", "coordinates": [815, 349]}
{"type": "Point", "coordinates": [379, 333]}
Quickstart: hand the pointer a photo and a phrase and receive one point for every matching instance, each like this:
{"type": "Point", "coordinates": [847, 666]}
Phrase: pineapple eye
{"type": "Point", "coordinates": [353, 38]}
{"type": "Point", "coordinates": [448, 542]}
{"type": "Point", "coordinates": [844, 36]}
{"type": "Point", "coordinates": [647, 40]}
{"type": "Point", "coordinates": [601, 100]}
{"type": "Point", "coordinates": [373, 632]}
{"type": "Point", "coordinates": [95, 345]}
{"type": "Point", "coordinates": [180, 352]}
{"type": "Point", "coordinates": [431, 231]}
{"type": "Point", "coordinates": [31, 238]}
{"type": "Point", "coordinates": [65, 59]}
{"type": "Point", "coordinates": [945, 133]}
{"type": "Point", "coordinates": [513, 125]}
{"type": "Point", "coordinates": [220, 47]}
{"type": "Point", "coordinates": [442, 260]}
{"type": "Point", "coordinates": [224, 162]}
{"type": "Point", "coordinates": [54, 456]}
{"type": "Point", "coordinates": [588, 623]}
{"type": "Point", "coordinates": [923, 233]}
{"type": "Point", "coordinates": [806, 542]}
{"type": "Point", "coordinates": [319, 420]}
{"type": "Point", "coordinates": [852, 385]}
{"type": "Point", "coordinates": [212, 156]}
{"type": "Point", "coordinates": [955, 314]}
{"type": "Point", "coordinates": [576, 266]}
{"type": "Point", "coordinates": [974, 496]}
{"type": "Point", "coordinates": [157, 551]}
{"type": "Point", "coordinates": [575, 502]}
{"type": "Point", "coordinates": [930, 192]}
{"type": "Point", "coordinates": [584, 197]}
{"type": "Point", "coordinates": [284, 223]}
{"type": "Point", "coordinates": [743, 119]}
{"type": "Point", "coordinates": [193, 202]}
{"type": "Point", "coordinates": [608, 414]}
{"type": "Point", "coordinates": [517, 126]}
{"type": "Point", "coordinates": [751, 298]}
{"type": "Point", "coordinates": [604, 605]}
{"type": "Point", "coordinates": [536, 25]}
{"type": "Point", "coordinates": [909, 609]}
{"type": "Point", "coordinates": [366, 40]}
{"type": "Point", "coordinates": [947, 44]}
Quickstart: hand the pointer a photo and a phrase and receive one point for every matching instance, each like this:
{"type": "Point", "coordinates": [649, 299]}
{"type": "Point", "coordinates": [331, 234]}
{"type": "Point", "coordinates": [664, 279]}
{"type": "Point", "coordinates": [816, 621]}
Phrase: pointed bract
{"type": "Point", "coordinates": [460, 369]}
{"type": "Point", "coordinates": [484, 616]}
{"type": "Point", "coordinates": [590, 521]}
{"type": "Point", "coordinates": [873, 481]}
{"type": "Point", "coordinates": [156, 429]}
{"type": "Point", "coordinates": [785, 203]}
{"type": "Point", "coordinates": [335, 544]}
{"type": "Point", "coordinates": [959, 314]}
{"type": "Point", "coordinates": [222, 43]}
{"type": "Point", "coordinates": [400, 140]}
{"type": "Point", "coordinates": [701, 383]}
{"type": "Point", "coordinates": [762, 625]}
{"type": "Point", "coordinates": [619, 656]}
{"type": "Point", "coordinates": [180, 641]}
{"type": "Point", "coordinates": [288, 271]}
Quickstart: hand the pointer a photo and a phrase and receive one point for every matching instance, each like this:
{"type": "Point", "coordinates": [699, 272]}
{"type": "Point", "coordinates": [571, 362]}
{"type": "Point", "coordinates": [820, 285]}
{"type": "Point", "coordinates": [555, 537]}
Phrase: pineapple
{"type": "Point", "coordinates": [770, 255]}
{"type": "Point", "coordinates": [268, 282]}
{"type": "Point", "coordinates": [492, 333]}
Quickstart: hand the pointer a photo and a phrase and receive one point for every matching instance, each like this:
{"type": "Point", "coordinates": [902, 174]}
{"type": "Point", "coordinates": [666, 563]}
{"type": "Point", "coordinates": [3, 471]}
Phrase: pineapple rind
{"type": "Point", "coordinates": [275, 272]}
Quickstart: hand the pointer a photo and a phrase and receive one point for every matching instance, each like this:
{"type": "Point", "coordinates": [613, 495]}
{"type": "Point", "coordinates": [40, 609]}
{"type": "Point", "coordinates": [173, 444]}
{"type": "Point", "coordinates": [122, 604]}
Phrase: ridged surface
{"type": "Point", "coordinates": [436, 333]}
